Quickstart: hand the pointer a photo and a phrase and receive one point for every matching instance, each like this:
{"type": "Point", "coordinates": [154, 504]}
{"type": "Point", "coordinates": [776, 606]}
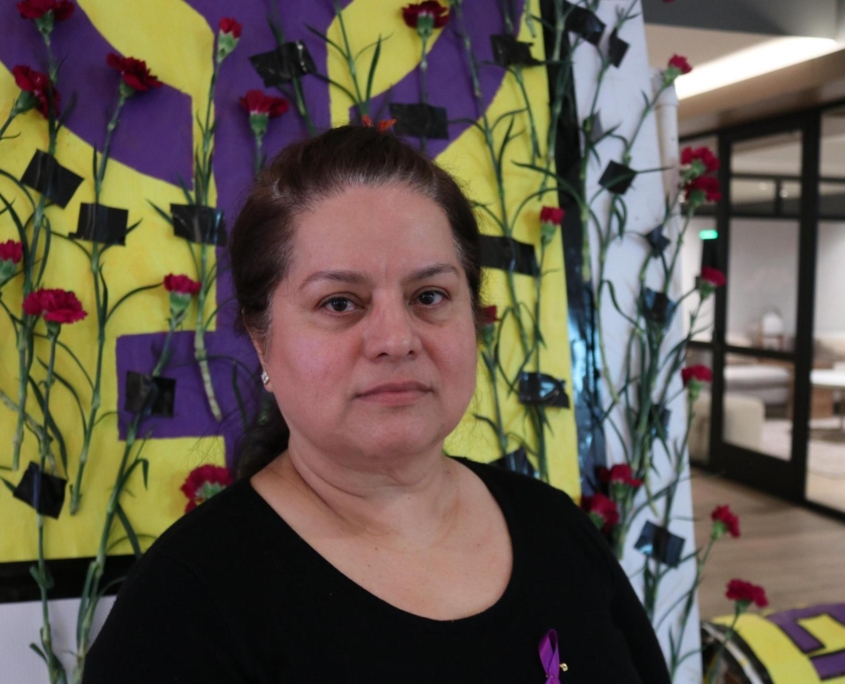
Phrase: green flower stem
{"type": "Point", "coordinates": [102, 314]}
{"type": "Point", "coordinates": [302, 107]}
{"type": "Point", "coordinates": [13, 112]}
{"type": "Point", "coordinates": [362, 105]}
{"type": "Point", "coordinates": [104, 157]}
{"type": "Point", "coordinates": [423, 83]}
{"type": "Point", "coordinates": [259, 155]}
{"type": "Point", "coordinates": [92, 592]}
{"type": "Point", "coordinates": [25, 355]}
{"type": "Point", "coordinates": [714, 664]}
{"type": "Point", "coordinates": [200, 352]}
{"type": "Point", "coordinates": [532, 127]}
{"type": "Point", "coordinates": [490, 364]}
{"type": "Point", "coordinates": [55, 668]}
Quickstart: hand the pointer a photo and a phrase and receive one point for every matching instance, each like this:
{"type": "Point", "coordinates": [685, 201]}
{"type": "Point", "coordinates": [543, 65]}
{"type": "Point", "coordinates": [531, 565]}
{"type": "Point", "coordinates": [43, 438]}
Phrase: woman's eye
{"type": "Point", "coordinates": [339, 304]}
{"type": "Point", "coordinates": [431, 298]}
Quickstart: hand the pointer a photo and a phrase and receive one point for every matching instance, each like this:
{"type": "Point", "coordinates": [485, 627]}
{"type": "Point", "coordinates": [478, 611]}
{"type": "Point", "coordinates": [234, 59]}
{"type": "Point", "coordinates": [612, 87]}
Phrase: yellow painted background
{"type": "Point", "coordinates": [180, 58]}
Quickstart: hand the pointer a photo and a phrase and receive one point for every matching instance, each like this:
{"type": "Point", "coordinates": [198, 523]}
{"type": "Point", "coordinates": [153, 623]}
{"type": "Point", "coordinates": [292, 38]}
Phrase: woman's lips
{"type": "Point", "coordinates": [395, 393]}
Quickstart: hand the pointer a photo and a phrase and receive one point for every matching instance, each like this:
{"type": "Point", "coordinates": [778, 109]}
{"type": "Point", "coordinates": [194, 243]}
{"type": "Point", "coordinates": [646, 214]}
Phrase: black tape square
{"type": "Point", "coordinates": [659, 421]}
{"type": "Point", "coordinates": [508, 254]}
{"type": "Point", "coordinates": [617, 178]}
{"type": "Point", "coordinates": [539, 388]}
{"type": "Point", "coordinates": [516, 461]}
{"type": "Point", "coordinates": [420, 120]}
{"type": "Point", "coordinates": [147, 395]}
{"type": "Point", "coordinates": [45, 493]}
{"type": "Point", "coordinates": [199, 224]}
{"type": "Point", "coordinates": [658, 308]}
{"type": "Point", "coordinates": [45, 175]}
{"type": "Point", "coordinates": [507, 50]}
{"type": "Point", "coordinates": [585, 23]}
{"type": "Point", "coordinates": [596, 127]}
{"type": "Point", "coordinates": [99, 223]}
{"type": "Point", "coordinates": [660, 544]}
{"type": "Point", "coordinates": [658, 241]}
{"type": "Point", "coordinates": [282, 64]}
{"type": "Point", "coordinates": [616, 49]}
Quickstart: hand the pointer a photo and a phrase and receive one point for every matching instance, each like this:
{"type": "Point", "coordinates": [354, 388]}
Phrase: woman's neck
{"type": "Point", "coordinates": [413, 500]}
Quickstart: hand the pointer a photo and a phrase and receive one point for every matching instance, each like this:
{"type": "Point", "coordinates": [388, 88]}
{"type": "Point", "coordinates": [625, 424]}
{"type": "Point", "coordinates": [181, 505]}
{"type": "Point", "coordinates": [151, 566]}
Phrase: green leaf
{"type": "Point", "coordinates": [76, 244]}
{"type": "Point", "coordinates": [40, 653]}
{"type": "Point", "coordinates": [72, 355]}
{"type": "Point", "coordinates": [337, 85]}
{"type": "Point", "coordinates": [70, 389]}
{"type": "Point", "coordinates": [128, 295]}
{"type": "Point", "coordinates": [51, 424]}
{"type": "Point", "coordinates": [373, 65]}
{"type": "Point", "coordinates": [145, 469]}
{"type": "Point", "coordinates": [21, 187]}
{"type": "Point", "coordinates": [161, 213]}
{"type": "Point", "coordinates": [133, 540]}
{"type": "Point", "coordinates": [327, 40]}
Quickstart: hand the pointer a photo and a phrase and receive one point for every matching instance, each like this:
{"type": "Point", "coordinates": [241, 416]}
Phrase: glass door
{"type": "Point", "coordinates": [762, 342]}
{"type": "Point", "coordinates": [825, 479]}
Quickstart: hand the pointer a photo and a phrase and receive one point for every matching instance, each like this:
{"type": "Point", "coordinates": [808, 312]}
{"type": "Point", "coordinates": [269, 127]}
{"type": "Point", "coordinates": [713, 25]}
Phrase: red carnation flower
{"type": "Point", "coordinates": [703, 189]}
{"type": "Point", "coordinates": [39, 85]}
{"type": "Point", "coordinates": [204, 482]}
{"type": "Point", "coordinates": [425, 16]}
{"type": "Point", "coordinates": [746, 593]}
{"type": "Point", "coordinates": [713, 276]}
{"type": "Point", "coordinates": [602, 511]}
{"type": "Point", "coordinates": [698, 373]}
{"type": "Point", "coordinates": [134, 72]}
{"type": "Point", "coordinates": [56, 306]}
{"type": "Point", "coordinates": [256, 102]}
{"type": "Point", "coordinates": [487, 315]}
{"type": "Point", "coordinates": [381, 127]}
{"type": "Point", "coordinates": [724, 520]}
{"type": "Point", "coordinates": [710, 162]}
{"type": "Point", "coordinates": [551, 215]}
{"type": "Point", "coordinates": [11, 251]}
{"type": "Point", "coordinates": [680, 63]}
{"type": "Point", "coordinates": [35, 9]}
{"type": "Point", "coordinates": [620, 473]}
{"type": "Point", "coordinates": [181, 284]}
{"type": "Point", "coordinates": [231, 26]}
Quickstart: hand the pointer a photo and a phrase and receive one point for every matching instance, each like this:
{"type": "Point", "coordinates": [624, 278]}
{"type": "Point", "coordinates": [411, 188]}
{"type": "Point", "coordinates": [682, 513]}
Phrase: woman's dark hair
{"type": "Point", "coordinates": [297, 180]}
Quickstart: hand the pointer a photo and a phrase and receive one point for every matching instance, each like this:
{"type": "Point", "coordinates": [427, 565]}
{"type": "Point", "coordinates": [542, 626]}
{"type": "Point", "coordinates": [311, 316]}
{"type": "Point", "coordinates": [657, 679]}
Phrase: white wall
{"type": "Point", "coordinates": [830, 279]}
{"type": "Point", "coordinates": [621, 103]}
{"type": "Point", "coordinates": [762, 273]}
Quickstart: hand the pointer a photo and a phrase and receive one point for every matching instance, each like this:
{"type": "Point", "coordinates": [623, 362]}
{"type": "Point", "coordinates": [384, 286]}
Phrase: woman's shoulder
{"type": "Point", "coordinates": [544, 511]}
{"type": "Point", "coordinates": [231, 527]}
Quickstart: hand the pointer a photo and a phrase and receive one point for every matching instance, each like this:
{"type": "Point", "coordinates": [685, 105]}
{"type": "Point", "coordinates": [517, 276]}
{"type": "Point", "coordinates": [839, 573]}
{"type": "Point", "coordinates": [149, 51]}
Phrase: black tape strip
{"type": "Point", "coordinates": [539, 388]}
{"type": "Point", "coordinates": [282, 64]}
{"type": "Point", "coordinates": [516, 461]}
{"type": "Point", "coordinates": [507, 50]}
{"type": "Point", "coordinates": [199, 224]}
{"type": "Point", "coordinates": [659, 421]}
{"type": "Point", "coordinates": [147, 395]}
{"type": "Point", "coordinates": [508, 254]}
{"type": "Point", "coordinates": [45, 493]}
{"type": "Point", "coordinates": [585, 23]}
{"type": "Point", "coordinates": [660, 544]}
{"type": "Point", "coordinates": [616, 49]}
{"type": "Point", "coordinates": [420, 120]}
{"type": "Point", "coordinates": [45, 175]}
{"type": "Point", "coordinates": [658, 308]}
{"type": "Point", "coordinates": [99, 223]}
{"type": "Point", "coordinates": [658, 241]}
{"type": "Point", "coordinates": [617, 178]}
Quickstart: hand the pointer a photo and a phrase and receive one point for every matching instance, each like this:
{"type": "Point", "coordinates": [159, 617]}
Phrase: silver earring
{"type": "Point", "coordinates": [264, 377]}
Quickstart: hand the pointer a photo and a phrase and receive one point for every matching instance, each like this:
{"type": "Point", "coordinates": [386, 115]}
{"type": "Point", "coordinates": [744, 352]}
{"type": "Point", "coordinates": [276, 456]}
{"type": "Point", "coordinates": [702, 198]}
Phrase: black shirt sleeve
{"type": "Point", "coordinates": [164, 628]}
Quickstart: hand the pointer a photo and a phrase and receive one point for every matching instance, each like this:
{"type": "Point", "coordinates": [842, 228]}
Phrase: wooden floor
{"type": "Point", "coordinates": [797, 555]}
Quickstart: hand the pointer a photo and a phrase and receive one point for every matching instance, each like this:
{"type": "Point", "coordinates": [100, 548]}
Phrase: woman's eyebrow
{"type": "Point", "coordinates": [357, 278]}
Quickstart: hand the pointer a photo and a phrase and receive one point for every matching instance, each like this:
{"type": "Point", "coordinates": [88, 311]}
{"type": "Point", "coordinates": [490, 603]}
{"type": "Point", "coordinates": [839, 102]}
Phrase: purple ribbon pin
{"type": "Point", "coordinates": [550, 657]}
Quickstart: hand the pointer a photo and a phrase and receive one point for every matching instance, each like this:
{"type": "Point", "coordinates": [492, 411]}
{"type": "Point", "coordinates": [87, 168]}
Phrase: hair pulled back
{"type": "Point", "coordinates": [297, 180]}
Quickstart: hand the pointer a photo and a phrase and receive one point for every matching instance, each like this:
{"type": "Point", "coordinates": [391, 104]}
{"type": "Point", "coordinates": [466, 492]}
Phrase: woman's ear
{"type": "Point", "coordinates": [258, 343]}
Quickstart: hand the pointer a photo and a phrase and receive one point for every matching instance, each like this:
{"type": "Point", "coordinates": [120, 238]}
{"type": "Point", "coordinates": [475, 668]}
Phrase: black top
{"type": "Point", "coordinates": [230, 593]}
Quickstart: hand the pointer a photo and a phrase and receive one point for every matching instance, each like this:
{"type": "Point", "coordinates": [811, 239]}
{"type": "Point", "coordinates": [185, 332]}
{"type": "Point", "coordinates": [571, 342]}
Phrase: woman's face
{"type": "Point", "coordinates": [372, 348]}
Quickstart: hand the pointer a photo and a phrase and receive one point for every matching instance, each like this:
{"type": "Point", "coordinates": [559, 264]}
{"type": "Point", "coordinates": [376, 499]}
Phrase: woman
{"type": "Point", "coordinates": [351, 549]}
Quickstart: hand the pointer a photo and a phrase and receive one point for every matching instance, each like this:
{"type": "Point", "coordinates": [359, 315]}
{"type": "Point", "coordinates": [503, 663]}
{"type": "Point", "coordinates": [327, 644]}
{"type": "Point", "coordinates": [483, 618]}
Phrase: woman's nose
{"type": "Point", "coordinates": [390, 331]}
